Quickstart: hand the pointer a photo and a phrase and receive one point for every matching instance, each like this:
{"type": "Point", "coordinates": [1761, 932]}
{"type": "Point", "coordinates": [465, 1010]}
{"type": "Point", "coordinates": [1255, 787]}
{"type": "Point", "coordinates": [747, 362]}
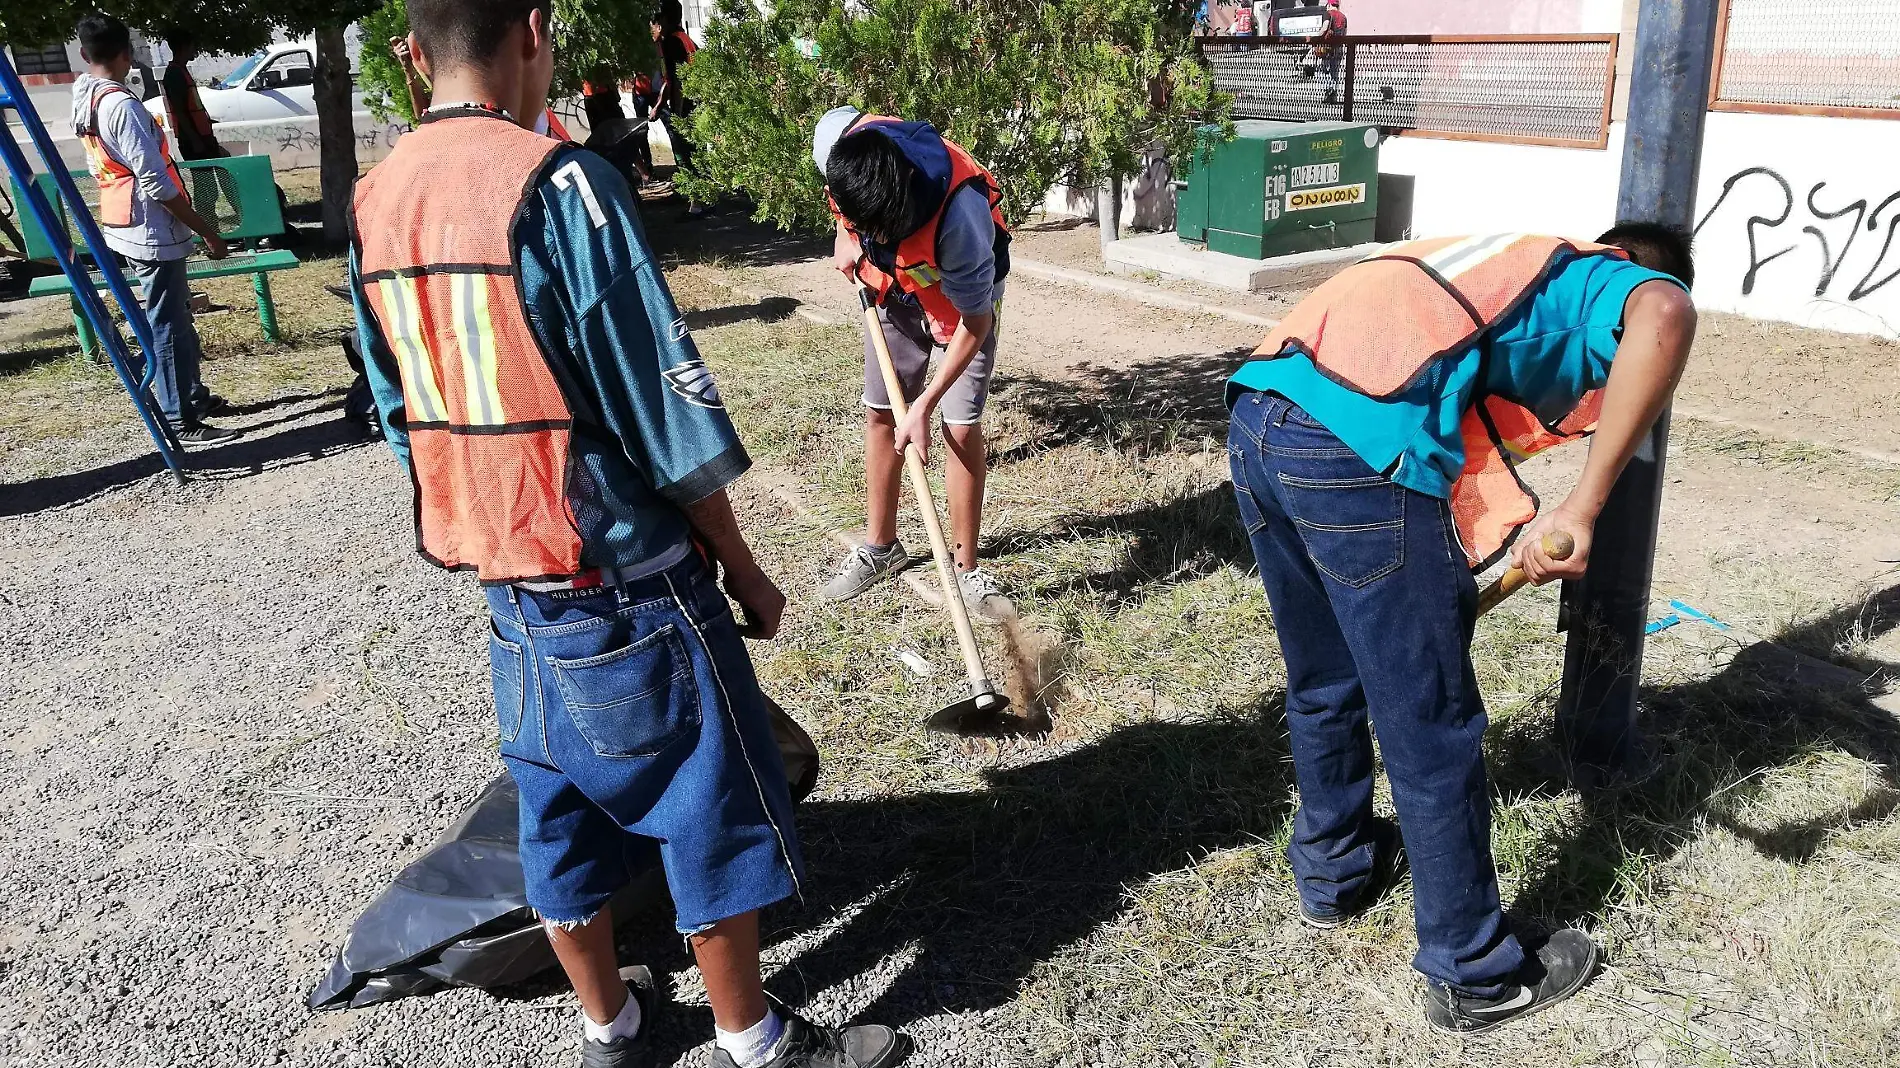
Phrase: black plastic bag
{"type": "Point", "coordinates": [459, 915]}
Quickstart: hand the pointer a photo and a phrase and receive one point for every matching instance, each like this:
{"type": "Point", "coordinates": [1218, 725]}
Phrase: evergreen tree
{"type": "Point", "coordinates": [1056, 91]}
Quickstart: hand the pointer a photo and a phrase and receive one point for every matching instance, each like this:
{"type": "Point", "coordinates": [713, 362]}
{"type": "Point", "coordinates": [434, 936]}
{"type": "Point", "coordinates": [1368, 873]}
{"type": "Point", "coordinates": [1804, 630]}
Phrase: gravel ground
{"type": "Point", "coordinates": [237, 711]}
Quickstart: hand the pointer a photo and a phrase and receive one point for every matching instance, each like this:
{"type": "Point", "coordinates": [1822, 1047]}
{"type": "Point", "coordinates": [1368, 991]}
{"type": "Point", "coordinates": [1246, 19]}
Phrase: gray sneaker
{"type": "Point", "coordinates": [807, 1045]}
{"type": "Point", "coordinates": [635, 1052]}
{"type": "Point", "coordinates": [982, 596]}
{"type": "Point", "coordinates": [863, 568]}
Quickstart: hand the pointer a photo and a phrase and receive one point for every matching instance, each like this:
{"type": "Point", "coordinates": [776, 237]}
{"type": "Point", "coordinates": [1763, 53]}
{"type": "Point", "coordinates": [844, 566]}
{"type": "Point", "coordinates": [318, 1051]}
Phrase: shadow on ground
{"type": "Point", "coordinates": [980, 888]}
{"type": "Point", "coordinates": [251, 454]}
{"type": "Point", "coordinates": [1711, 746]}
{"type": "Point", "coordinates": [974, 891]}
{"type": "Point", "coordinates": [1145, 408]}
{"type": "Point", "coordinates": [1178, 540]}
{"type": "Point", "coordinates": [727, 237]}
{"type": "Point", "coordinates": [768, 310]}
{"type": "Point", "coordinates": [1152, 408]}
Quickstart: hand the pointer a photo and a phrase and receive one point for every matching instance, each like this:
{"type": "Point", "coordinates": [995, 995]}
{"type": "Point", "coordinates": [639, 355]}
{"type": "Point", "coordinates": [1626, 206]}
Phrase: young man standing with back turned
{"type": "Point", "coordinates": [568, 445]}
{"type": "Point", "coordinates": [148, 220]}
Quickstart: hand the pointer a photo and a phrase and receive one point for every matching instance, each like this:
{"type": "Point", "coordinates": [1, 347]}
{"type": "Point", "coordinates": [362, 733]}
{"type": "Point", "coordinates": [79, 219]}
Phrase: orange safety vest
{"type": "Point", "coordinates": [488, 422]}
{"type": "Point", "coordinates": [917, 267]}
{"type": "Point", "coordinates": [1378, 325]}
{"type": "Point", "coordinates": [117, 183]}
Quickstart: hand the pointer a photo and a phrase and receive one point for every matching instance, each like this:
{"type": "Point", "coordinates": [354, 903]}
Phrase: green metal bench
{"type": "Point", "coordinates": [238, 194]}
{"type": "Point", "coordinates": [258, 265]}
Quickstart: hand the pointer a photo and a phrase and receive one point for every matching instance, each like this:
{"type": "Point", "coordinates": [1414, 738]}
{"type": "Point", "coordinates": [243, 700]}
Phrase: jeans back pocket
{"type": "Point", "coordinates": [635, 701]}
{"type": "Point", "coordinates": [506, 671]}
{"type": "Point", "coordinates": [1354, 528]}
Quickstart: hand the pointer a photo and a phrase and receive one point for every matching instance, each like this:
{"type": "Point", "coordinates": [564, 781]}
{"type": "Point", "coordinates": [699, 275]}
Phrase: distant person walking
{"type": "Point", "coordinates": [1243, 21]}
{"type": "Point", "coordinates": [1331, 48]}
{"type": "Point", "coordinates": [676, 51]}
{"type": "Point", "coordinates": [147, 219]}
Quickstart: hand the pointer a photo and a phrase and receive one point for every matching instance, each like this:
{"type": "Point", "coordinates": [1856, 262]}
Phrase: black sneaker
{"type": "Point", "coordinates": [205, 434]}
{"type": "Point", "coordinates": [1559, 969]}
{"type": "Point", "coordinates": [210, 404]}
{"type": "Point", "coordinates": [1388, 867]}
{"type": "Point", "coordinates": [807, 1045]}
{"type": "Point", "coordinates": [635, 1052]}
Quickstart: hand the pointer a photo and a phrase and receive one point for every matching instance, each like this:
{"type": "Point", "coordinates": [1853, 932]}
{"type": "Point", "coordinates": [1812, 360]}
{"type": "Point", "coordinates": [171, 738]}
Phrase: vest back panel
{"type": "Point", "coordinates": [487, 419]}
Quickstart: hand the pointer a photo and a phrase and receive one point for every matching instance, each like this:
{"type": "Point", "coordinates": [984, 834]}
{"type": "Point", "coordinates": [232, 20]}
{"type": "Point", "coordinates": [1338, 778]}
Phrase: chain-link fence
{"type": "Point", "coordinates": [1830, 57]}
{"type": "Point", "coordinates": [1546, 90]}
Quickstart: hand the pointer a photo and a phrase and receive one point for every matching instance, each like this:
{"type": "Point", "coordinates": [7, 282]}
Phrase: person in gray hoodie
{"type": "Point", "coordinates": [148, 220]}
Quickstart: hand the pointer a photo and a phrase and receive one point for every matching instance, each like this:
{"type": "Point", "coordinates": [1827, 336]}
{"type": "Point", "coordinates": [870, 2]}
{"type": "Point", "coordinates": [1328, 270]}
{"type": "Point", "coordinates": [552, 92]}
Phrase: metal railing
{"type": "Point", "coordinates": [1538, 90]}
{"type": "Point", "coordinates": [1822, 57]}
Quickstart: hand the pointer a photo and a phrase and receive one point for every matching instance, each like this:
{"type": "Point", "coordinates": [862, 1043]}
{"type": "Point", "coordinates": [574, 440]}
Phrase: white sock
{"type": "Point", "coordinates": [625, 1025]}
{"type": "Point", "coordinates": [754, 1046]}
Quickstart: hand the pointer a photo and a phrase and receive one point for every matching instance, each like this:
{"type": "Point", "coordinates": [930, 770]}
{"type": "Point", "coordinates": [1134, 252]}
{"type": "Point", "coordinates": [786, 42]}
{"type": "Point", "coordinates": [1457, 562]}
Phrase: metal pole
{"type": "Point", "coordinates": [1597, 716]}
{"type": "Point", "coordinates": [1352, 75]}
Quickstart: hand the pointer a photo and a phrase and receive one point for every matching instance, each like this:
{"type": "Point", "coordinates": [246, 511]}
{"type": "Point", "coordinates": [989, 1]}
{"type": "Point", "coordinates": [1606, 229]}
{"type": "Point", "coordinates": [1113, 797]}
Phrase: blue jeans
{"type": "Point", "coordinates": [1375, 606]}
{"type": "Point", "coordinates": [167, 300]}
{"type": "Point", "coordinates": [633, 710]}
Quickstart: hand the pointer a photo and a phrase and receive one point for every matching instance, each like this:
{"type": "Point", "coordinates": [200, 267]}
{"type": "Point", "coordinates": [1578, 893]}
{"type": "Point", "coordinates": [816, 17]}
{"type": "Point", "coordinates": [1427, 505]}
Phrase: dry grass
{"type": "Point", "coordinates": [57, 394]}
{"type": "Point", "coordinates": [1117, 893]}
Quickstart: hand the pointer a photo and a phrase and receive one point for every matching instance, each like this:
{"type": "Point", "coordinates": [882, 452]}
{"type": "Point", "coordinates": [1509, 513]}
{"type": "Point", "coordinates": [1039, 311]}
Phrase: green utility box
{"type": "Point", "coordinates": [1281, 187]}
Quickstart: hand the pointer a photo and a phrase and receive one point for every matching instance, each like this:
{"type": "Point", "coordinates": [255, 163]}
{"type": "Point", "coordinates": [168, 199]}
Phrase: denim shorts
{"type": "Point", "coordinates": [633, 710]}
{"type": "Point", "coordinates": [913, 348]}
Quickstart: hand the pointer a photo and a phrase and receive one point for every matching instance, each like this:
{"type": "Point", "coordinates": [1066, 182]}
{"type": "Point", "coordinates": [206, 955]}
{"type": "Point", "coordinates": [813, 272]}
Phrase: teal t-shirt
{"type": "Point", "coordinates": [1554, 348]}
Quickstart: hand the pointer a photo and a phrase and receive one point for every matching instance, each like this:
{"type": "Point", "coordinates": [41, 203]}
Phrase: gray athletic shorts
{"type": "Point", "coordinates": [913, 349]}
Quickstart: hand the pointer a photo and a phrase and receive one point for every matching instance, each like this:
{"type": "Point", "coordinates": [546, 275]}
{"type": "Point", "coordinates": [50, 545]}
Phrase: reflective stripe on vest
{"type": "Point", "coordinates": [918, 272]}
{"type": "Point", "coordinates": [488, 422]}
{"type": "Point", "coordinates": [117, 184]}
{"type": "Point", "coordinates": [1382, 323]}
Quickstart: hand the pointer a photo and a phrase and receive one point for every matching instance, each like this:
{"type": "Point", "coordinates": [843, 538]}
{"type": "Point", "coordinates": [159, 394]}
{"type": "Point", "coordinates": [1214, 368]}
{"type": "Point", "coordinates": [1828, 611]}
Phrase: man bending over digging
{"type": "Point", "coordinates": [920, 224]}
{"type": "Point", "coordinates": [567, 445]}
{"type": "Point", "coordinates": [1368, 447]}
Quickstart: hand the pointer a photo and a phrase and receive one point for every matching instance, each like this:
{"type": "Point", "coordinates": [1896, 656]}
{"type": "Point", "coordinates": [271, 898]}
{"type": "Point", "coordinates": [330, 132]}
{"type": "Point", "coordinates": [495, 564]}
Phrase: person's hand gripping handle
{"type": "Point", "coordinates": [1558, 545]}
{"type": "Point", "coordinates": [920, 486]}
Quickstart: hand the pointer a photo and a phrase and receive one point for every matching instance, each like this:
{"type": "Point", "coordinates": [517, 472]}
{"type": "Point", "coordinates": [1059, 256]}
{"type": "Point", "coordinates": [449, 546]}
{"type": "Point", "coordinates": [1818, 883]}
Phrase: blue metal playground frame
{"type": "Point", "coordinates": [33, 202]}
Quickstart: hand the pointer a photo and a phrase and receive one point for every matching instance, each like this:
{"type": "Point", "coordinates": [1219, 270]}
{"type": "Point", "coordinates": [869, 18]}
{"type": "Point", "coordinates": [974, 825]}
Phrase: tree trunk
{"type": "Point", "coordinates": [336, 132]}
{"type": "Point", "coordinates": [1108, 211]}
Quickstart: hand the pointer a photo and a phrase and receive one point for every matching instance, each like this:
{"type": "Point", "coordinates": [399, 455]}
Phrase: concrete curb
{"type": "Point", "coordinates": [1146, 294]}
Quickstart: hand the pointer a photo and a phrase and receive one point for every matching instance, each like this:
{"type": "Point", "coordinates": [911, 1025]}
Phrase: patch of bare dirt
{"type": "Point", "coordinates": [1797, 382]}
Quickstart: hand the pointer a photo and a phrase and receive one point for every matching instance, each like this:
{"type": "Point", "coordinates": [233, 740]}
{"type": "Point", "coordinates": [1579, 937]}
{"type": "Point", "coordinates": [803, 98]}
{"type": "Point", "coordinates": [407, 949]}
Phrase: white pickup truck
{"type": "Point", "coordinates": [267, 106]}
{"type": "Point", "coordinates": [274, 83]}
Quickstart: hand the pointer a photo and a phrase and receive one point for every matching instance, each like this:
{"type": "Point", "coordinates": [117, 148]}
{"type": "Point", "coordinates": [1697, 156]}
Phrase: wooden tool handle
{"type": "Point", "coordinates": [1558, 545]}
{"type": "Point", "coordinates": [920, 486]}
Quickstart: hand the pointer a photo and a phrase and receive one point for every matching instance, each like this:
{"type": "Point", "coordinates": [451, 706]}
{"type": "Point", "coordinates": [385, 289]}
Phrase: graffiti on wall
{"type": "Point", "coordinates": [1762, 206]}
{"type": "Point", "coordinates": [293, 142]}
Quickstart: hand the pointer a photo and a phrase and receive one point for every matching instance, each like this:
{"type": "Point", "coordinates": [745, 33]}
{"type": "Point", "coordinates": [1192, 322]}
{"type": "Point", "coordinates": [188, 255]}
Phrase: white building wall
{"type": "Point", "coordinates": [1480, 187]}
{"type": "Point", "coordinates": [1798, 217]}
